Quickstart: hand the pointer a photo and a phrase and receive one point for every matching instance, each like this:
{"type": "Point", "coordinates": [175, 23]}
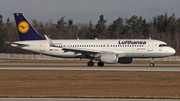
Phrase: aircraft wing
{"type": "Point", "coordinates": [81, 50]}
{"type": "Point", "coordinates": [72, 49]}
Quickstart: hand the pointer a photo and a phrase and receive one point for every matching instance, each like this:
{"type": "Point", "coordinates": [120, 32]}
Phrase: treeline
{"type": "Point", "coordinates": [162, 27]}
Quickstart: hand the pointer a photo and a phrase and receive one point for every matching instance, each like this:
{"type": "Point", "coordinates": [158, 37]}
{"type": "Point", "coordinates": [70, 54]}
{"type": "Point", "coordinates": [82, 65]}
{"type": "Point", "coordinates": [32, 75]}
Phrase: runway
{"type": "Point", "coordinates": [148, 69]}
{"type": "Point", "coordinates": [80, 99]}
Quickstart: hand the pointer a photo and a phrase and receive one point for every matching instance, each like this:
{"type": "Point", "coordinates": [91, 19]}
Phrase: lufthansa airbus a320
{"type": "Point", "coordinates": [109, 51]}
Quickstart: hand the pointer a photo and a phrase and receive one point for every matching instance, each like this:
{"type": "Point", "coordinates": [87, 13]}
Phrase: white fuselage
{"type": "Point", "coordinates": [134, 48]}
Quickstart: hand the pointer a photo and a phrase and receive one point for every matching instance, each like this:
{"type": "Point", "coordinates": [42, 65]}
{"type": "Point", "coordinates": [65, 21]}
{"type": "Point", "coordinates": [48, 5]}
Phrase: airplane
{"type": "Point", "coordinates": [108, 51]}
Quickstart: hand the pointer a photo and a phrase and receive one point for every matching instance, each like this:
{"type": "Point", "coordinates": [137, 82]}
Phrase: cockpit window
{"type": "Point", "coordinates": [163, 45]}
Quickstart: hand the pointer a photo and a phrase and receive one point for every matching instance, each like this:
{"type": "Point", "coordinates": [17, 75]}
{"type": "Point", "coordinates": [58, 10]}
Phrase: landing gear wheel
{"type": "Point", "coordinates": [100, 64]}
{"type": "Point", "coordinates": [152, 64]}
{"type": "Point", "coordinates": [90, 63]}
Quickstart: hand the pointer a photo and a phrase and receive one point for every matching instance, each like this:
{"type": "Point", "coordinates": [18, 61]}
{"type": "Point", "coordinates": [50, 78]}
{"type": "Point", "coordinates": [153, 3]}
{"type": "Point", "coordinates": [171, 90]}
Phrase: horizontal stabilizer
{"type": "Point", "coordinates": [19, 44]}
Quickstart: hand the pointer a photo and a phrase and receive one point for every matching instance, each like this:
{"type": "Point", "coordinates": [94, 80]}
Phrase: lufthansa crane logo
{"type": "Point", "coordinates": [23, 27]}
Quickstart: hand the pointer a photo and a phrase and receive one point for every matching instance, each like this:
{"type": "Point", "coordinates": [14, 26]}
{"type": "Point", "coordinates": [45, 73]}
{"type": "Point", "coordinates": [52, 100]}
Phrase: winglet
{"type": "Point", "coordinates": [50, 42]}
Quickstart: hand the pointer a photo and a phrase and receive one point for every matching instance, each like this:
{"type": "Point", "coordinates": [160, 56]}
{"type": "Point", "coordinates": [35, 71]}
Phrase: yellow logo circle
{"type": "Point", "coordinates": [23, 27]}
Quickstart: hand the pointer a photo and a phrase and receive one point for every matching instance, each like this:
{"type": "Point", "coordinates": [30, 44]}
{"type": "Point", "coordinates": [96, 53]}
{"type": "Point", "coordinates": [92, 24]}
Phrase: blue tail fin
{"type": "Point", "coordinates": [25, 29]}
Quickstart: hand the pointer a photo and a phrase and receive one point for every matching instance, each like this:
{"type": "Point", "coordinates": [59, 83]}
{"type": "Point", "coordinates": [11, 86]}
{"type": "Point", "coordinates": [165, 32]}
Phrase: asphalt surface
{"type": "Point", "coordinates": [80, 99]}
{"type": "Point", "coordinates": [155, 69]}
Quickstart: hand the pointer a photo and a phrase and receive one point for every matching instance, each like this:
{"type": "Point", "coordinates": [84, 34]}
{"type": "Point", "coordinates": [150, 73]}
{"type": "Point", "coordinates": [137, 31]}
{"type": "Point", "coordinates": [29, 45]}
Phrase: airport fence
{"type": "Point", "coordinates": [11, 56]}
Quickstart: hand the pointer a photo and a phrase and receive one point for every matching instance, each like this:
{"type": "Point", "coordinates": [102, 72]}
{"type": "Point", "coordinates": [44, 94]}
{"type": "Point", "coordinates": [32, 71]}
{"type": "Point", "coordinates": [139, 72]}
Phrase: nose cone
{"type": "Point", "coordinates": [172, 51]}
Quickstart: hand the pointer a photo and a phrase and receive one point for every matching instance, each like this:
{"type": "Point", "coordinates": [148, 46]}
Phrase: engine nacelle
{"type": "Point", "coordinates": [125, 60]}
{"type": "Point", "coordinates": [109, 58]}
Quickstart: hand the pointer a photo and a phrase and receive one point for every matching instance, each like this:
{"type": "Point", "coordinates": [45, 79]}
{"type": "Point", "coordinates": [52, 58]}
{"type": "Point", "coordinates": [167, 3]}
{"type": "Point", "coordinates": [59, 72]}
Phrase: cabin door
{"type": "Point", "coordinates": [41, 47]}
{"type": "Point", "coordinates": [150, 46]}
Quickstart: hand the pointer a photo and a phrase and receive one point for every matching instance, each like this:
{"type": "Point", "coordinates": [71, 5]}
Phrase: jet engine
{"type": "Point", "coordinates": [108, 58]}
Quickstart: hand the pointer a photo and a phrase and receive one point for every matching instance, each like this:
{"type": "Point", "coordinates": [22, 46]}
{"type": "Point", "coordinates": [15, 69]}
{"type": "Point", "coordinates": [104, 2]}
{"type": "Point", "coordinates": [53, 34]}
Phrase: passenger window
{"type": "Point", "coordinates": [163, 45]}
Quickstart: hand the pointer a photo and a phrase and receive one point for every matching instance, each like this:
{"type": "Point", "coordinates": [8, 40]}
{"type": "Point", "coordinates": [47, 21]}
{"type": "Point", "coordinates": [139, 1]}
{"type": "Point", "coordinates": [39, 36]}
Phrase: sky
{"type": "Point", "coordinates": [82, 11]}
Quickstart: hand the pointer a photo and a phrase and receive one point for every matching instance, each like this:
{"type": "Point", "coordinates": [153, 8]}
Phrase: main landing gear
{"type": "Point", "coordinates": [91, 63]}
{"type": "Point", "coordinates": [151, 62]}
{"type": "Point", "coordinates": [100, 64]}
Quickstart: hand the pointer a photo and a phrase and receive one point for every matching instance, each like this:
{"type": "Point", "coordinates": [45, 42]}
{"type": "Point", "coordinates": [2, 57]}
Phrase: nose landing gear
{"type": "Point", "coordinates": [151, 62]}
